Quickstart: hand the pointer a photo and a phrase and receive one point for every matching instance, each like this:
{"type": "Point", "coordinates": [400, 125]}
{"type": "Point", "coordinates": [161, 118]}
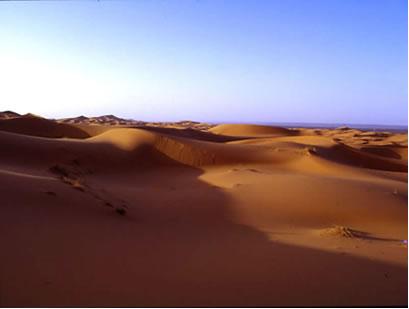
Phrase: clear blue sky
{"type": "Point", "coordinates": [329, 61]}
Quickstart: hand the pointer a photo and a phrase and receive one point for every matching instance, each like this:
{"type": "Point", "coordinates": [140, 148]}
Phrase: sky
{"type": "Point", "coordinates": [255, 61]}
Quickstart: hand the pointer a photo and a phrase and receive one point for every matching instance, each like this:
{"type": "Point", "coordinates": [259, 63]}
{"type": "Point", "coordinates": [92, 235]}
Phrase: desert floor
{"type": "Point", "coordinates": [229, 215]}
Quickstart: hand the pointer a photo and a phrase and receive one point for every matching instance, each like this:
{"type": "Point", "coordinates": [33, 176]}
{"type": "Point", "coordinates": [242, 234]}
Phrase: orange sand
{"type": "Point", "coordinates": [234, 215]}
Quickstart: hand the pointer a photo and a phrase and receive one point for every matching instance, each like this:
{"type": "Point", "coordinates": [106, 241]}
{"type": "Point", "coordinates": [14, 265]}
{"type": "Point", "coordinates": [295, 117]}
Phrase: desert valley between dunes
{"type": "Point", "coordinates": [108, 212]}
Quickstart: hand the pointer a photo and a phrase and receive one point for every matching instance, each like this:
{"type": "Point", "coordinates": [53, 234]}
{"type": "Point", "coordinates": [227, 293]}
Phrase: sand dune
{"type": "Point", "coordinates": [190, 133]}
{"type": "Point", "coordinates": [36, 126]}
{"type": "Point", "coordinates": [113, 121]}
{"type": "Point", "coordinates": [8, 115]}
{"type": "Point", "coordinates": [238, 215]}
{"type": "Point", "coordinates": [250, 130]}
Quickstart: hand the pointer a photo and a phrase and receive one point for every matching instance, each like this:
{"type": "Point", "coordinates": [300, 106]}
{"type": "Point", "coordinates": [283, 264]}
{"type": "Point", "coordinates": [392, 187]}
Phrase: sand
{"type": "Point", "coordinates": [231, 215]}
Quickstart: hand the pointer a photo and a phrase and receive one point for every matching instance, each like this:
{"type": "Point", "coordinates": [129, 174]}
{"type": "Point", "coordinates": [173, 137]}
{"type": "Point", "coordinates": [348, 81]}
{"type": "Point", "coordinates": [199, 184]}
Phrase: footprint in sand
{"type": "Point", "coordinates": [346, 232]}
{"type": "Point", "coordinates": [253, 170]}
{"type": "Point", "coordinates": [73, 177]}
{"type": "Point", "coordinates": [341, 231]}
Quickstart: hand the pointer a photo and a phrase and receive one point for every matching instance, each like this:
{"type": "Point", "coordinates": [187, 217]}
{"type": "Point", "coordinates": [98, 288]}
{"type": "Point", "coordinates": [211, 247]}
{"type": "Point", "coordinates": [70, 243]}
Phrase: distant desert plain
{"type": "Point", "coordinates": [108, 212]}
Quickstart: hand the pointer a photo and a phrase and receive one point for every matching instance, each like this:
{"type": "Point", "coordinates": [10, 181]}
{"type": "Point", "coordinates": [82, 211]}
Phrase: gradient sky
{"type": "Point", "coordinates": [330, 61]}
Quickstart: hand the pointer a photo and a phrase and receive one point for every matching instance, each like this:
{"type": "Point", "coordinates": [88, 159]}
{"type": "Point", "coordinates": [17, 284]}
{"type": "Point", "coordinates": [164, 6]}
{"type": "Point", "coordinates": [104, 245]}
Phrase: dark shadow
{"type": "Point", "coordinates": [382, 151]}
{"type": "Point", "coordinates": [368, 236]}
{"type": "Point", "coordinates": [344, 154]}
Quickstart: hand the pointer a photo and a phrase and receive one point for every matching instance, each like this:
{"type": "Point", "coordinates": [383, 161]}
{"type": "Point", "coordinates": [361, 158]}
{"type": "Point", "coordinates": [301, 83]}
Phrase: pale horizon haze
{"type": "Point", "coordinates": [315, 61]}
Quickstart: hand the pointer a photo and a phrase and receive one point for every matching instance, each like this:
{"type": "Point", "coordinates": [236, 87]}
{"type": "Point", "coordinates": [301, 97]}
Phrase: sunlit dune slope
{"type": "Point", "coordinates": [191, 133]}
{"type": "Point", "coordinates": [92, 129]}
{"type": "Point", "coordinates": [250, 130]}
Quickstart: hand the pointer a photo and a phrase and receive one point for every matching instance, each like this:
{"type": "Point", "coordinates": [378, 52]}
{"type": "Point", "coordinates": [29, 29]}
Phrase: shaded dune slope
{"type": "Point", "coordinates": [8, 115]}
{"type": "Point", "coordinates": [375, 157]}
{"type": "Point", "coordinates": [351, 156]}
{"type": "Point", "coordinates": [400, 153]}
{"type": "Point", "coordinates": [36, 126]}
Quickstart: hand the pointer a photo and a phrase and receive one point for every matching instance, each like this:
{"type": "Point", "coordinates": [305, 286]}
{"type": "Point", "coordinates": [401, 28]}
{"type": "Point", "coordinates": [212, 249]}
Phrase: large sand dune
{"type": "Point", "coordinates": [238, 215]}
{"type": "Point", "coordinates": [41, 127]}
{"type": "Point", "coordinates": [250, 130]}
